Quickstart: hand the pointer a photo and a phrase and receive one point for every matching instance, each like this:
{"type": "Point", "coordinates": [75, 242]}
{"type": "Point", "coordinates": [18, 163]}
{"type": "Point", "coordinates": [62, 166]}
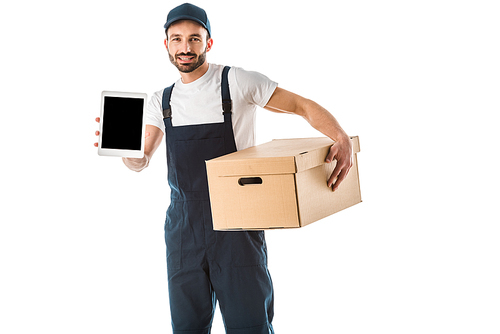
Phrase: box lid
{"type": "Point", "coordinates": [281, 156]}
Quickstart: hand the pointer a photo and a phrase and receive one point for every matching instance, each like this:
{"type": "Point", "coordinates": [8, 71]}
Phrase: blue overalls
{"type": "Point", "coordinates": [206, 265]}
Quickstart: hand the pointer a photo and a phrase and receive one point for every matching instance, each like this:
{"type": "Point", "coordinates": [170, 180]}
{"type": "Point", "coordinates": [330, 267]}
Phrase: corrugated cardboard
{"type": "Point", "coordinates": [279, 184]}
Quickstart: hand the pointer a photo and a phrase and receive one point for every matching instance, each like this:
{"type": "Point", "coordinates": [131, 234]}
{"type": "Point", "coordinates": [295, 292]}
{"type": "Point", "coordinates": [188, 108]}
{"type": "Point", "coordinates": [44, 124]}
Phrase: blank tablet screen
{"type": "Point", "coordinates": [122, 123]}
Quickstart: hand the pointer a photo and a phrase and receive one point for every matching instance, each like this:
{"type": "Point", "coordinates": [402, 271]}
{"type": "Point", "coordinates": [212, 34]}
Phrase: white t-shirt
{"type": "Point", "coordinates": [200, 102]}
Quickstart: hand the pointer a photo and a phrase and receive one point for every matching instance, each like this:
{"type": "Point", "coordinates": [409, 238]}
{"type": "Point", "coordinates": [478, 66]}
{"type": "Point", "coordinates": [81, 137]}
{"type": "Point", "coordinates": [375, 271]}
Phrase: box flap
{"type": "Point", "coordinates": [280, 156]}
{"type": "Point", "coordinates": [355, 144]}
{"type": "Point", "coordinates": [316, 156]}
{"type": "Point", "coordinates": [240, 166]}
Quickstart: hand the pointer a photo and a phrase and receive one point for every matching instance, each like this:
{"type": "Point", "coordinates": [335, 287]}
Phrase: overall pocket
{"type": "Point", "coordinates": [173, 235]}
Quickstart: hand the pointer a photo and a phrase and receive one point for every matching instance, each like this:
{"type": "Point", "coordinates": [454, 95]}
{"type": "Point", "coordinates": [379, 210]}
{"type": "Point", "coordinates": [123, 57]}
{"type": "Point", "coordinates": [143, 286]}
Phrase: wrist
{"type": "Point", "coordinates": [343, 138]}
{"type": "Point", "coordinates": [136, 164]}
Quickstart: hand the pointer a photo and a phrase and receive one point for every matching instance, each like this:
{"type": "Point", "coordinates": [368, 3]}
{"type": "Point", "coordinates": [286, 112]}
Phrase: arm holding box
{"type": "Point", "coordinates": [322, 120]}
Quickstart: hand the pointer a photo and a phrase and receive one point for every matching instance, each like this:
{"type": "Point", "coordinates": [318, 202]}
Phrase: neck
{"type": "Point", "coordinates": [195, 75]}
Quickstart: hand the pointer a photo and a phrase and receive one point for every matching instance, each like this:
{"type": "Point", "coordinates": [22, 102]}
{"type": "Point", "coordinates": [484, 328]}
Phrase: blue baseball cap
{"type": "Point", "coordinates": [191, 12]}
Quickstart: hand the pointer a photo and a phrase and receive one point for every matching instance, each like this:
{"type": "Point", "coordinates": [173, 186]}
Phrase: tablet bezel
{"type": "Point", "coordinates": [122, 152]}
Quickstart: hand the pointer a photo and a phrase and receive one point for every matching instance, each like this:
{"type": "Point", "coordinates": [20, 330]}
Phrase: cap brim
{"type": "Point", "coordinates": [169, 23]}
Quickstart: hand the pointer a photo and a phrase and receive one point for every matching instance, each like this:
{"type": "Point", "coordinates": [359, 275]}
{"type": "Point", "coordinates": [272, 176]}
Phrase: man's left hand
{"type": "Point", "coordinates": [342, 152]}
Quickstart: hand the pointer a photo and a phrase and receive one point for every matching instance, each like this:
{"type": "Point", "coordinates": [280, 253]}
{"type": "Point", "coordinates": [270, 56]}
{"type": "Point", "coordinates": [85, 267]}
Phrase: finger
{"type": "Point", "coordinates": [341, 177]}
{"type": "Point", "coordinates": [96, 144]}
{"type": "Point", "coordinates": [331, 181]}
{"type": "Point", "coordinates": [98, 120]}
{"type": "Point", "coordinates": [339, 180]}
{"type": "Point", "coordinates": [97, 133]}
{"type": "Point", "coordinates": [331, 154]}
{"type": "Point", "coordinates": [335, 174]}
{"type": "Point", "coordinates": [333, 178]}
{"type": "Point", "coordinates": [147, 135]}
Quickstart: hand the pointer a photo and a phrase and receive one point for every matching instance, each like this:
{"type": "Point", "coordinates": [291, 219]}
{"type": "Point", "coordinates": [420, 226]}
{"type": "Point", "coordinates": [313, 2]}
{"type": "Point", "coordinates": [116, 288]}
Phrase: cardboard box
{"type": "Point", "coordinates": [279, 184]}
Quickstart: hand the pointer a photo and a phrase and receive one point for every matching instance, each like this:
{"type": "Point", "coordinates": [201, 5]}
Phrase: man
{"type": "Point", "coordinates": [207, 113]}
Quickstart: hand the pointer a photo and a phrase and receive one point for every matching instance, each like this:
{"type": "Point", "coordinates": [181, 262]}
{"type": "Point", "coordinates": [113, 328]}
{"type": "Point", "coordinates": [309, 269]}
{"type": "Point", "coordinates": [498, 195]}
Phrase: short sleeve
{"type": "Point", "coordinates": [154, 111]}
{"type": "Point", "coordinates": [255, 87]}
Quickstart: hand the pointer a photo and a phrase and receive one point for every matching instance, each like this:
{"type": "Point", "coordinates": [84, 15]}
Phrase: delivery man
{"type": "Point", "coordinates": [209, 112]}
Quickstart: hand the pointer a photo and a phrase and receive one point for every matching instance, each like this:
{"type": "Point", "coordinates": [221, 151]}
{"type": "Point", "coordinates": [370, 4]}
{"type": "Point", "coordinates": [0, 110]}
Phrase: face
{"type": "Point", "coordinates": [187, 45]}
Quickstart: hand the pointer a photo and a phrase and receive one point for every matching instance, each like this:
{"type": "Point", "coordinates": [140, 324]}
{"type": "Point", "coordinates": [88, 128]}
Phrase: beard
{"type": "Point", "coordinates": [188, 68]}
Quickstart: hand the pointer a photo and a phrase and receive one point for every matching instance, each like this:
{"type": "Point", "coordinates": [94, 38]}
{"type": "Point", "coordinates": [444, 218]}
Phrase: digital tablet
{"type": "Point", "coordinates": [122, 125]}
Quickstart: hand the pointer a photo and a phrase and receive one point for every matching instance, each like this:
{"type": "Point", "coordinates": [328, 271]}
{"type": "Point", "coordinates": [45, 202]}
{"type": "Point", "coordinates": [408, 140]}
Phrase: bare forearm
{"type": "Point", "coordinates": [322, 120]}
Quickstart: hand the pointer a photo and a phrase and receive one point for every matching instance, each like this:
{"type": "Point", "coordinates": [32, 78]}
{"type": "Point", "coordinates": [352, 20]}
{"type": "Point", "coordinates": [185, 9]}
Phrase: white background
{"type": "Point", "coordinates": [81, 236]}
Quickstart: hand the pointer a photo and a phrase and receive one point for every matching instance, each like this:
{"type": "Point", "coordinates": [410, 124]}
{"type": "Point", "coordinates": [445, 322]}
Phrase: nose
{"type": "Point", "coordinates": [185, 47]}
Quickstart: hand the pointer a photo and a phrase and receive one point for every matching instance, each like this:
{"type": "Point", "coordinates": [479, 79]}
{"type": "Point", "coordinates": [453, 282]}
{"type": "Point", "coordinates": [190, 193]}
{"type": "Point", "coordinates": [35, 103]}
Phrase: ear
{"type": "Point", "coordinates": [166, 43]}
{"type": "Point", "coordinates": [210, 42]}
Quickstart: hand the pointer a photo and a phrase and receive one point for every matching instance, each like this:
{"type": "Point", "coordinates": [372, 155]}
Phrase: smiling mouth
{"type": "Point", "coordinates": [185, 59]}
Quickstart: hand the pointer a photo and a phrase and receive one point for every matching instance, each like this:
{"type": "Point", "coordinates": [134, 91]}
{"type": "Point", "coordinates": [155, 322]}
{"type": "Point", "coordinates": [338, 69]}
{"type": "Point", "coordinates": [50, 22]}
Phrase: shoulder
{"type": "Point", "coordinates": [241, 75]}
{"type": "Point", "coordinates": [254, 87]}
{"type": "Point", "coordinates": [238, 73]}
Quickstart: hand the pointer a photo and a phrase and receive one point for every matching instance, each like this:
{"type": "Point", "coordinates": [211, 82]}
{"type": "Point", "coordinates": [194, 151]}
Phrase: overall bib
{"type": "Point", "coordinates": [206, 265]}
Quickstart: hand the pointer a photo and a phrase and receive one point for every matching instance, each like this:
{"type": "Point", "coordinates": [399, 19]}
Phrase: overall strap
{"type": "Point", "coordinates": [165, 102]}
{"type": "Point", "coordinates": [227, 104]}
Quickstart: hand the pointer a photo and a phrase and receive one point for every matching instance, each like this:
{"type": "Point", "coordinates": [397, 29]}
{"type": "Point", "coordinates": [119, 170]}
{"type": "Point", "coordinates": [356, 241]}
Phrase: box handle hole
{"type": "Point", "coordinates": [249, 180]}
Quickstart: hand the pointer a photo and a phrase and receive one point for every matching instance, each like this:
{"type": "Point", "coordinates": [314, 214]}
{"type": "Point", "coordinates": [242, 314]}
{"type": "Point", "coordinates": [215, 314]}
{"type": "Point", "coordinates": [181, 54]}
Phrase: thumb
{"type": "Point", "coordinates": [331, 154]}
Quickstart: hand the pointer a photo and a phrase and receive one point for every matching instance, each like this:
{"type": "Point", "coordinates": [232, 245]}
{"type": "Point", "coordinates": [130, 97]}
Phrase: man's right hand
{"type": "Point", "coordinates": [153, 137]}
